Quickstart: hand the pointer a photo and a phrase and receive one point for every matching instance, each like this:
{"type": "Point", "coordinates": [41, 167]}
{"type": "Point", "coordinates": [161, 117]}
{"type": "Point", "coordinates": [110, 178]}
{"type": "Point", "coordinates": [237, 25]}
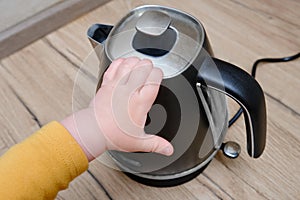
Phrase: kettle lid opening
{"type": "Point", "coordinates": [154, 45]}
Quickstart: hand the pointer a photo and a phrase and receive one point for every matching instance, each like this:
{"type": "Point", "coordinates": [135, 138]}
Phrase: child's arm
{"type": "Point", "coordinates": [47, 161]}
{"type": "Point", "coordinates": [42, 165]}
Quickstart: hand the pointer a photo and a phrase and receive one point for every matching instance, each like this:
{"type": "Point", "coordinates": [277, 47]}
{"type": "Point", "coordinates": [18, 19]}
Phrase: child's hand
{"type": "Point", "coordinates": [116, 117]}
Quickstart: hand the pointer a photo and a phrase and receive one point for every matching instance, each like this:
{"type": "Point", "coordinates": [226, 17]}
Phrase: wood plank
{"type": "Point", "coordinates": [204, 188]}
{"type": "Point", "coordinates": [239, 34]}
{"type": "Point", "coordinates": [21, 34]}
{"type": "Point", "coordinates": [83, 187]}
{"type": "Point", "coordinates": [283, 11]}
{"type": "Point", "coordinates": [119, 186]}
{"type": "Point", "coordinates": [33, 73]}
{"type": "Point", "coordinates": [257, 40]}
{"type": "Point", "coordinates": [233, 184]}
{"type": "Point", "coordinates": [29, 77]}
{"type": "Point", "coordinates": [16, 121]}
{"type": "Point", "coordinates": [15, 11]}
{"type": "Point", "coordinates": [24, 106]}
{"type": "Point", "coordinates": [276, 173]}
{"type": "Point", "coordinates": [241, 40]}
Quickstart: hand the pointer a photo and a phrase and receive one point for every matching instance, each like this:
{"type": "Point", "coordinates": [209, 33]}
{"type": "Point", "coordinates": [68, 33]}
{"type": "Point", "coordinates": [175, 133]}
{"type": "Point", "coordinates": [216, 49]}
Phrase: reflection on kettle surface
{"type": "Point", "coordinates": [190, 110]}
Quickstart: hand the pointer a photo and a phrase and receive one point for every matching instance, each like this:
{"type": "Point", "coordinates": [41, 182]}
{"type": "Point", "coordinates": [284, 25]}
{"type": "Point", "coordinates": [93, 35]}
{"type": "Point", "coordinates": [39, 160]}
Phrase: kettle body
{"type": "Point", "coordinates": [190, 110]}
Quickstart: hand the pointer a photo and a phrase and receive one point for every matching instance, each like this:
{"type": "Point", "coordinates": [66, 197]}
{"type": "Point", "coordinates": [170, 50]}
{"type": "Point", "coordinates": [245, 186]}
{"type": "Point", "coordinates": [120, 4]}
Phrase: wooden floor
{"type": "Point", "coordinates": [22, 22]}
{"type": "Point", "coordinates": [37, 82]}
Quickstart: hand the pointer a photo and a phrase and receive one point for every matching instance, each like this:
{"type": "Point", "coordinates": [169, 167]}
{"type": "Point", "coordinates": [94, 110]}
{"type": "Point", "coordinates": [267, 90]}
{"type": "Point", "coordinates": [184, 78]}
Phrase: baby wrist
{"type": "Point", "coordinates": [84, 128]}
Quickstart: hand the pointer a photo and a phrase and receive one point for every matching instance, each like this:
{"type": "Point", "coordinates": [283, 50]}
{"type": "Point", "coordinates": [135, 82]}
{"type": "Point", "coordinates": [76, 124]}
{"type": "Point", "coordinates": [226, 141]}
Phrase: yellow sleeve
{"type": "Point", "coordinates": [42, 165]}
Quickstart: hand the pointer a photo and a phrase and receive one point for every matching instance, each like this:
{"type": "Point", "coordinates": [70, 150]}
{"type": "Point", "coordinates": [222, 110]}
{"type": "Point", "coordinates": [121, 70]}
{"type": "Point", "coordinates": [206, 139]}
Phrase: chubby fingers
{"type": "Point", "coordinates": [132, 71]}
{"type": "Point", "coordinates": [144, 82]}
{"type": "Point", "coordinates": [119, 70]}
{"type": "Point", "coordinates": [151, 86]}
{"type": "Point", "coordinates": [156, 144]}
{"type": "Point", "coordinates": [111, 71]}
{"type": "Point", "coordinates": [140, 74]}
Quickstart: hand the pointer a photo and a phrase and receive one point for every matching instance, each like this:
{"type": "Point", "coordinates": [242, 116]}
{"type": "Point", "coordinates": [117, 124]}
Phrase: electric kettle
{"type": "Point", "coordinates": [190, 110]}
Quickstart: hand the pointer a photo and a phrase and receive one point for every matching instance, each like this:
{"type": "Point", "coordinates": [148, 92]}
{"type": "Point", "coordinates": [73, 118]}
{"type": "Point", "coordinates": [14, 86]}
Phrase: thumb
{"type": "Point", "coordinates": [158, 145]}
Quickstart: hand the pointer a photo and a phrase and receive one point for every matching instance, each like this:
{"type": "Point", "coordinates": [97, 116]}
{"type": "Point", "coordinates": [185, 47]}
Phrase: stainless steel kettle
{"type": "Point", "coordinates": [190, 110]}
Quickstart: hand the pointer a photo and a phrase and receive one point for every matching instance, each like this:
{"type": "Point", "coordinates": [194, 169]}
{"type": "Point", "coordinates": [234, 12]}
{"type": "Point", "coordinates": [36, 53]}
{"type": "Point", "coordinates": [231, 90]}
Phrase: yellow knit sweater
{"type": "Point", "coordinates": [42, 165]}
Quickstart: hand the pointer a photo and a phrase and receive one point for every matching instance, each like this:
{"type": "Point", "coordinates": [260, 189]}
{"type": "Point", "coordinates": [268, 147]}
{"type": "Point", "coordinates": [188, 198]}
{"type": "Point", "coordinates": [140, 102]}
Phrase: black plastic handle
{"type": "Point", "coordinates": [244, 89]}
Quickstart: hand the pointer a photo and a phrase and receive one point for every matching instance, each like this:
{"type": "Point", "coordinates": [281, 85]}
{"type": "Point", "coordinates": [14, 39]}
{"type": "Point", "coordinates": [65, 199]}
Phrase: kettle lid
{"type": "Point", "coordinates": [170, 38]}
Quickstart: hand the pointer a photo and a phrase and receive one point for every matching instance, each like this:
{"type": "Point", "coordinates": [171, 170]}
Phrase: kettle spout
{"type": "Point", "coordinates": [98, 33]}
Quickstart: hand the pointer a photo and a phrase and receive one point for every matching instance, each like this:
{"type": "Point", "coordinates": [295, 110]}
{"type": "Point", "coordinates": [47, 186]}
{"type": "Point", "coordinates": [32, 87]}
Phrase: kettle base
{"type": "Point", "coordinates": [167, 182]}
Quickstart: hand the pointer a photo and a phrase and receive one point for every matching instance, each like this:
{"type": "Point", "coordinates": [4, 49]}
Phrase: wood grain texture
{"type": "Point", "coordinates": [37, 87]}
{"type": "Point", "coordinates": [22, 25]}
{"type": "Point", "coordinates": [15, 11]}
